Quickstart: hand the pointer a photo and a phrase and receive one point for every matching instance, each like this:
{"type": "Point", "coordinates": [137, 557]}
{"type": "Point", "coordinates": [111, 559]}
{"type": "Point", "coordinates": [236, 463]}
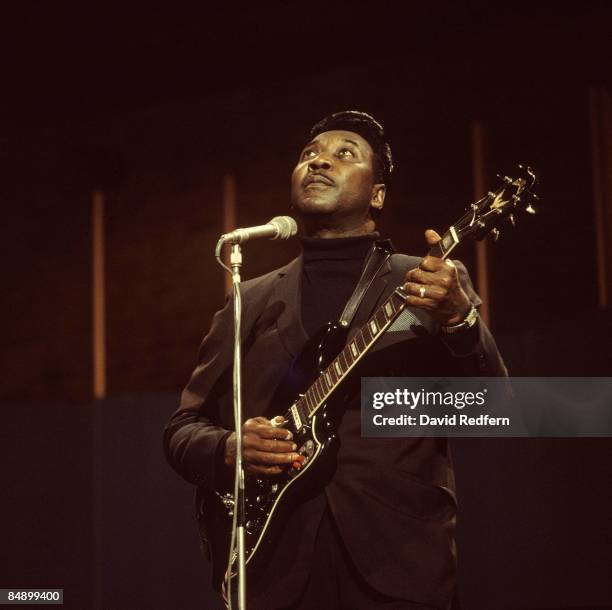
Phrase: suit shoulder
{"type": "Point", "coordinates": [265, 282]}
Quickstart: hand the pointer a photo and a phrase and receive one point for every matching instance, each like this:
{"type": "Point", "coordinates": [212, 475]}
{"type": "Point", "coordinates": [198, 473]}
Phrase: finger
{"type": "Point", "coordinates": [419, 276]}
{"type": "Point", "coordinates": [270, 445]}
{"type": "Point", "coordinates": [429, 291]}
{"type": "Point", "coordinates": [264, 458]}
{"type": "Point", "coordinates": [432, 263]}
{"type": "Point", "coordinates": [430, 297]}
{"type": "Point", "coordinates": [444, 279]}
{"type": "Point", "coordinates": [278, 421]}
{"type": "Point", "coordinates": [432, 237]}
{"type": "Point", "coordinates": [421, 303]}
{"type": "Point", "coordinates": [268, 431]}
{"type": "Point", "coordinates": [257, 420]}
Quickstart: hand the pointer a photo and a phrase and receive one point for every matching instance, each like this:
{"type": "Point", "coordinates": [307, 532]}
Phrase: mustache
{"type": "Point", "coordinates": [317, 177]}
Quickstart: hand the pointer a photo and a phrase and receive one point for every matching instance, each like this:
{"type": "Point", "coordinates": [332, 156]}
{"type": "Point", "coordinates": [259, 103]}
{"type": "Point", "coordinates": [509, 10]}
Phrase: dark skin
{"type": "Point", "coordinates": [333, 192]}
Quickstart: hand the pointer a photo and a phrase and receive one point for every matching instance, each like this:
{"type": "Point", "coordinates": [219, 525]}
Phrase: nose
{"type": "Point", "coordinates": [321, 161]}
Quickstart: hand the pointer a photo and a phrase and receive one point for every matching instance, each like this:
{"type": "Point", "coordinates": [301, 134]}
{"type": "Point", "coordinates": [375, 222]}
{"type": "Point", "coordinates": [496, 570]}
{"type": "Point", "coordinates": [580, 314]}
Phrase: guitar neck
{"type": "Point", "coordinates": [450, 240]}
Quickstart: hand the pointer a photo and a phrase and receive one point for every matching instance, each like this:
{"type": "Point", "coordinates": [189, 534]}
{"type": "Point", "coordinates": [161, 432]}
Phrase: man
{"type": "Point", "coordinates": [380, 531]}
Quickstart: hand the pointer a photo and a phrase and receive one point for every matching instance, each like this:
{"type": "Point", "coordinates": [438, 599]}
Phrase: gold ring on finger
{"type": "Point", "coordinates": [422, 292]}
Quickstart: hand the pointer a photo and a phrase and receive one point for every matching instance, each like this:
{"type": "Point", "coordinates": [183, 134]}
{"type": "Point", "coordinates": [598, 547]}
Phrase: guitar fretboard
{"type": "Point", "coordinates": [353, 351]}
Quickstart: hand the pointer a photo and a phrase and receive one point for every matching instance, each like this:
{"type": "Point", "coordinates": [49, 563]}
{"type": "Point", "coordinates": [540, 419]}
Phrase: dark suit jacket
{"type": "Point", "coordinates": [393, 499]}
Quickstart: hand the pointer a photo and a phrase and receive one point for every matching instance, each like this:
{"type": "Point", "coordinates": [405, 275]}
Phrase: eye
{"type": "Point", "coordinates": [346, 153]}
{"type": "Point", "coordinates": [309, 154]}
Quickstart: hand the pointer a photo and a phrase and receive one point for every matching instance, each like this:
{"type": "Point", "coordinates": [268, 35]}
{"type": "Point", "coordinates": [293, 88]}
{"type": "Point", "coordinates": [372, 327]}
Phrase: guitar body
{"type": "Point", "coordinates": [268, 501]}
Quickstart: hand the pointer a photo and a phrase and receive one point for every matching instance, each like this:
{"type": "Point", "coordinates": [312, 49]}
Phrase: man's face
{"type": "Point", "coordinates": [335, 175]}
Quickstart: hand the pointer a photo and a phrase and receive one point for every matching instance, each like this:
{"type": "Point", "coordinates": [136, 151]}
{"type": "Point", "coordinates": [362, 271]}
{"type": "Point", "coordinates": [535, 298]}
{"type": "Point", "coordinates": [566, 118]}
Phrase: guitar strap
{"type": "Point", "coordinates": [381, 250]}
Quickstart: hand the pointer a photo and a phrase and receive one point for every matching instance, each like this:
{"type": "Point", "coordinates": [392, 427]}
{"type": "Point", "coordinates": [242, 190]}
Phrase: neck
{"type": "Point", "coordinates": [317, 227]}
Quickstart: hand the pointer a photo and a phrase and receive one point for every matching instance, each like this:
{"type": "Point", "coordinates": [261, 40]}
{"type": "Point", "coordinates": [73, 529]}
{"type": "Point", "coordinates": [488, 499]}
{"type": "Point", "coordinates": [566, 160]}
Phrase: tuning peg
{"type": "Point", "coordinates": [506, 179]}
{"type": "Point", "coordinates": [530, 209]}
{"type": "Point", "coordinates": [495, 233]}
{"type": "Point", "coordinates": [512, 220]}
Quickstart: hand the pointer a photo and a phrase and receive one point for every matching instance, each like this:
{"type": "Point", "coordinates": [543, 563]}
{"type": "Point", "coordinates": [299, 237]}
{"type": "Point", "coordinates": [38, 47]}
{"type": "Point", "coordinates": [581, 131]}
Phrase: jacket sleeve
{"type": "Point", "coordinates": [474, 349]}
{"type": "Point", "coordinates": [194, 436]}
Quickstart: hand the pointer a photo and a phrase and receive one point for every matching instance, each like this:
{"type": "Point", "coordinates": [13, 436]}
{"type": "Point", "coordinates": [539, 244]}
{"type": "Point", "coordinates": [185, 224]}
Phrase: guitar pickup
{"type": "Point", "coordinates": [297, 420]}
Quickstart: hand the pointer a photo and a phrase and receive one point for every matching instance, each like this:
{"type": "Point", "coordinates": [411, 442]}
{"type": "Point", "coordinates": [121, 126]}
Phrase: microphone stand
{"type": "Point", "coordinates": [237, 545]}
{"type": "Point", "coordinates": [280, 227]}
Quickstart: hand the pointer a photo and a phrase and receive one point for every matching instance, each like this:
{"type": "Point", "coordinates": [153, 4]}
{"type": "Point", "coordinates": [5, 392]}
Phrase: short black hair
{"type": "Point", "coordinates": [370, 130]}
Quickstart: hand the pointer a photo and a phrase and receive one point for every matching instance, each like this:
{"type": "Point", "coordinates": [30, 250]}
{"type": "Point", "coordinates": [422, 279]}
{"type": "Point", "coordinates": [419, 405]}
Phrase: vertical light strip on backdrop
{"type": "Point", "coordinates": [98, 296]}
{"type": "Point", "coordinates": [479, 182]}
{"type": "Point", "coordinates": [601, 151]}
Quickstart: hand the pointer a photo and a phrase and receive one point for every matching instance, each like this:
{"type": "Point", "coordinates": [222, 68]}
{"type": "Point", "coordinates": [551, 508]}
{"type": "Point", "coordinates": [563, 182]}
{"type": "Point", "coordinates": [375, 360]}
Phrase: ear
{"type": "Point", "coordinates": [378, 196]}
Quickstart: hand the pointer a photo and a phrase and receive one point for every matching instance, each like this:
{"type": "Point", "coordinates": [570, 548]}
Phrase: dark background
{"type": "Point", "coordinates": [154, 105]}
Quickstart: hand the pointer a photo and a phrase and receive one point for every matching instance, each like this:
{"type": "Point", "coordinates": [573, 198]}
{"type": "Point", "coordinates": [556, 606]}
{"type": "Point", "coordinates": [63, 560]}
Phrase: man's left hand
{"type": "Point", "coordinates": [434, 286]}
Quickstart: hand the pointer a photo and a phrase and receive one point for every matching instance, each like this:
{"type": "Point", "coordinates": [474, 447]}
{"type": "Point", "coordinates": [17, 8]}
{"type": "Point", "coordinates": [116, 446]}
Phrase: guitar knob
{"type": "Point", "coordinates": [530, 209]}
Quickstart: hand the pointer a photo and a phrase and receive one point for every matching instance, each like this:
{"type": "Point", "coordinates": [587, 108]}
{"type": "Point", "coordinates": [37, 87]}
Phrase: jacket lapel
{"type": "Point", "coordinates": [373, 295]}
{"type": "Point", "coordinates": [288, 290]}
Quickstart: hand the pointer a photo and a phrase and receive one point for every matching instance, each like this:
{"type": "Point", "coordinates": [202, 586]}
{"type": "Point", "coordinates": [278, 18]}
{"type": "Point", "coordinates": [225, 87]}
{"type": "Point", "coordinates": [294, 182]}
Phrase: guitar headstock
{"type": "Point", "coordinates": [512, 197]}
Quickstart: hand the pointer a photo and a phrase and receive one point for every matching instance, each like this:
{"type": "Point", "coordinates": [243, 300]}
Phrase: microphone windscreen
{"type": "Point", "coordinates": [287, 227]}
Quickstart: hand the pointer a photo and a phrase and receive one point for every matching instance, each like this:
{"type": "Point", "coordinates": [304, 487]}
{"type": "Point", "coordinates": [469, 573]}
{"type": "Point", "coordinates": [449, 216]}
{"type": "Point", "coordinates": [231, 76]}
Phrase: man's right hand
{"type": "Point", "coordinates": [267, 450]}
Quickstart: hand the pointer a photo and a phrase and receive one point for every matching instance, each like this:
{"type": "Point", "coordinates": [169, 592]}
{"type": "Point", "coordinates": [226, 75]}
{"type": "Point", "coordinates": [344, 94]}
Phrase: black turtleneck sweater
{"type": "Point", "coordinates": [332, 268]}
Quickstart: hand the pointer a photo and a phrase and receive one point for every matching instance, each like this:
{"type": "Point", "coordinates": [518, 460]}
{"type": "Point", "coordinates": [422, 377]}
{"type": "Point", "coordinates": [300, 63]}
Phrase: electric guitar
{"type": "Point", "coordinates": [329, 362]}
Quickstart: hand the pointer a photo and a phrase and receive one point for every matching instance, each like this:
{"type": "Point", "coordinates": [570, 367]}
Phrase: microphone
{"type": "Point", "coordinates": [280, 227]}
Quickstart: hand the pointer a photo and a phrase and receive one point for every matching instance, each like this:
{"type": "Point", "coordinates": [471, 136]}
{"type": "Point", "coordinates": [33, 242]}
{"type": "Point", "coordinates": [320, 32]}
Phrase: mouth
{"type": "Point", "coordinates": [317, 180]}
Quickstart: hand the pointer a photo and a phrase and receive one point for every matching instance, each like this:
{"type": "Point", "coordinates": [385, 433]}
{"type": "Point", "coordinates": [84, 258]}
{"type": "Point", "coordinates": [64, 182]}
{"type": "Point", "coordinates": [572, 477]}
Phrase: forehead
{"type": "Point", "coordinates": [338, 136]}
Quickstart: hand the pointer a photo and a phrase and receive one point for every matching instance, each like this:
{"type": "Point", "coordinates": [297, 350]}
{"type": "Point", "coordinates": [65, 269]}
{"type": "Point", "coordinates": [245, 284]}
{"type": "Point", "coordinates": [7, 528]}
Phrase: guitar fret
{"type": "Point", "coordinates": [382, 314]}
{"type": "Point", "coordinates": [389, 310]}
{"type": "Point", "coordinates": [311, 405]}
{"type": "Point", "coordinates": [306, 399]}
{"type": "Point", "coordinates": [306, 402]}
{"type": "Point", "coordinates": [338, 367]}
{"type": "Point", "coordinates": [313, 393]}
{"type": "Point", "coordinates": [366, 334]}
{"type": "Point", "coordinates": [323, 383]}
{"type": "Point", "coordinates": [341, 357]}
{"type": "Point", "coordinates": [322, 388]}
{"type": "Point", "coordinates": [348, 357]}
{"type": "Point", "coordinates": [439, 249]}
{"type": "Point", "coordinates": [373, 327]}
{"type": "Point", "coordinates": [300, 411]}
{"type": "Point", "coordinates": [354, 349]}
{"type": "Point", "coordinates": [328, 379]}
{"type": "Point", "coordinates": [360, 342]}
{"type": "Point", "coordinates": [326, 386]}
{"type": "Point", "coordinates": [315, 389]}
{"type": "Point", "coordinates": [397, 301]}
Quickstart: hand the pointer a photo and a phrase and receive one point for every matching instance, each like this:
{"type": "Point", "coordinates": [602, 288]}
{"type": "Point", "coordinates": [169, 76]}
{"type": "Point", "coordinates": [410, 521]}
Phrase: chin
{"type": "Point", "coordinates": [313, 204]}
